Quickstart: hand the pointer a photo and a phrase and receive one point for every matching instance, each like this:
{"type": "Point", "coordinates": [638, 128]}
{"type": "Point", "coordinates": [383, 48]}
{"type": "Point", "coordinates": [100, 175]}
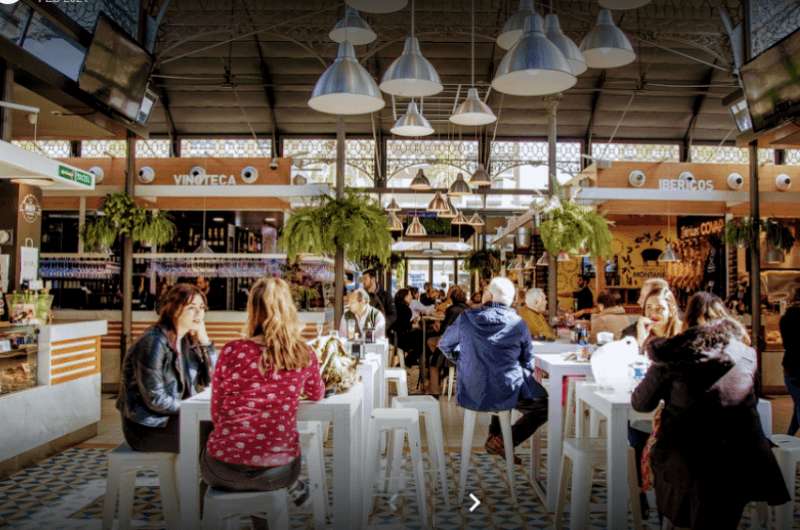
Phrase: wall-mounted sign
{"type": "Point", "coordinates": [706, 228]}
{"type": "Point", "coordinates": [30, 209]}
{"type": "Point", "coordinates": [76, 175]}
{"type": "Point", "coordinates": [29, 263]}
{"type": "Point", "coordinates": [685, 185]}
{"type": "Point", "coordinates": [204, 180]}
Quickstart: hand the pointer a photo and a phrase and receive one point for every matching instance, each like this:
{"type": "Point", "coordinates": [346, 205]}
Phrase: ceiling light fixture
{"type": "Point", "coordinates": [534, 66]}
{"type": "Point", "coordinates": [412, 123]}
{"type": "Point", "coordinates": [420, 182]}
{"type": "Point", "coordinates": [352, 28]}
{"type": "Point", "coordinates": [514, 26]}
{"type": "Point", "coordinates": [395, 224]}
{"type": "Point", "coordinates": [378, 6]}
{"type": "Point", "coordinates": [669, 255]}
{"type": "Point", "coordinates": [476, 220]}
{"type": "Point", "coordinates": [480, 177]}
{"type": "Point", "coordinates": [451, 211]}
{"type": "Point", "coordinates": [623, 4]}
{"type": "Point", "coordinates": [346, 88]}
{"type": "Point", "coordinates": [607, 46]}
{"type": "Point", "coordinates": [459, 219]}
{"type": "Point", "coordinates": [415, 229]}
{"type": "Point", "coordinates": [552, 28]}
{"type": "Point", "coordinates": [411, 75]}
{"type": "Point", "coordinates": [438, 204]}
{"type": "Point", "coordinates": [544, 260]}
{"type": "Point", "coordinates": [393, 206]}
{"type": "Point", "coordinates": [473, 112]}
{"type": "Point", "coordinates": [459, 187]}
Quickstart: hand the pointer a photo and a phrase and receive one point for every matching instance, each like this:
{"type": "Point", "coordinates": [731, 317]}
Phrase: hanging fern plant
{"type": "Point", "coordinates": [355, 222]}
{"type": "Point", "coordinates": [779, 236]}
{"type": "Point", "coordinates": [122, 217]}
{"type": "Point", "coordinates": [740, 232]}
{"type": "Point", "coordinates": [572, 228]}
{"type": "Point", "coordinates": [485, 262]}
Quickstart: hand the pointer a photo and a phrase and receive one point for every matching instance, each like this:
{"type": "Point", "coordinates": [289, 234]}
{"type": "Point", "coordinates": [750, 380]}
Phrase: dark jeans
{"type": "Point", "coordinates": [534, 415]}
{"type": "Point", "coordinates": [793, 385]}
{"type": "Point", "coordinates": [152, 439]}
{"type": "Point", "coordinates": [638, 440]}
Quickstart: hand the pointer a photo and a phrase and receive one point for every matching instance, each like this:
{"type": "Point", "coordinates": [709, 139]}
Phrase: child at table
{"type": "Point", "coordinates": [257, 386]}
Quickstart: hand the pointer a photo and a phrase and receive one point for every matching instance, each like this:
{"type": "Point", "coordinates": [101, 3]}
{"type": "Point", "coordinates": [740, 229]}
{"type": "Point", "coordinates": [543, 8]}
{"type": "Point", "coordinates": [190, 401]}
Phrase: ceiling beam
{"type": "Point", "coordinates": [163, 97]}
{"type": "Point", "coordinates": [598, 89]}
{"type": "Point", "coordinates": [269, 93]}
{"type": "Point", "coordinates": [697, 104]}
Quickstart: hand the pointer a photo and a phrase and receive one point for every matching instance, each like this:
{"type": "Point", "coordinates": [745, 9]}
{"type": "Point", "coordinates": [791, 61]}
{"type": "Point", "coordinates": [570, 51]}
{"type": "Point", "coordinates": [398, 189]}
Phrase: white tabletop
{"type": "Point", "coordinates": [557, 346]}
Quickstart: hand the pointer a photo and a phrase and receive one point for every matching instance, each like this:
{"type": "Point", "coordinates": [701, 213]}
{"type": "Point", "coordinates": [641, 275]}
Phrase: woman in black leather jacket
{"type": "Point", "coordinates": [171, 361]}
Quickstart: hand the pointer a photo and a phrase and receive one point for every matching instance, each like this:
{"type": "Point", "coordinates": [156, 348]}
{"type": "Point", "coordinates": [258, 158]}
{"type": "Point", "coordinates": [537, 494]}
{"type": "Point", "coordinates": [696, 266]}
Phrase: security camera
{"type": "Point", "coordinates": [249, 175]}
{"type": "Point", "coordinates": [98, 173]}
{"type": "Point", "coordinates": [197, 171]}
{"type": "Point", "coordinates": [686, 176]}
{"type": "Point", "coordinates": [146, 174]}
{"type": "Point", "coordinates": [299, 180]}
{"type": "Point", "coordinates": [637, 178]}
{"type": "Point", "coordinates": [783, 182]}
{"type": "Point", "coordinates": [273, 164]}
{"type": "Point", "coordinates": [735, 181]}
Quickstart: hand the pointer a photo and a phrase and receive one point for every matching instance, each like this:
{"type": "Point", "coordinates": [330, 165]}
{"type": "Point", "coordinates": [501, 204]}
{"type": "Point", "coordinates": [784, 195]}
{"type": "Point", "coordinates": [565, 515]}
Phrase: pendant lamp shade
{"type": "Point", "coordinates": [472, 112]}
{"type": "Point", "coordinates": [544, 260]}
{"type": "Point", "coordinates": [534, 66]}
{"type": "Point", "coordinates": [563, 257]}
{"type": "Point", "coordinates": [412, 123]}
{"type": "Point", "coordinates": [515, 25]}
{"type": "Point", "coordinates": [480, 177]}
{"type": "Point", "coordinates": [352, 28]}
{"type": "Point", "coordinates": [346, 88]}
{"type": "Point", "coordinates": [395, 224]}
{"type": "Point", "coordinates": [378, 6]}
{"type": "Point", "coordinates": [451, 211]}
{"type": "Point", "coordinates": [420, 182]}
{"type": "Point", "coordinates": [393, 206]}
{"type": "Point", "coordinates": [774, 255]}
{"type": "Point", "coordinates": [552, 28]}
{"type": "Point", "coordinates": [411, 75]}
{"type": "Point", "coordinates": [203, 248]}
{"type": "Point", "coordinates": [459, 219]}
{"type": "Point", "coordinates": [438, 204]}
{"type": "Point", "coordinates": [623, 4]}
{"type": "Point", "coordinates": [669, 255]}
{"type": "Point", "coordinates": [415, 229]}
{"type": "Point", "coordinates": [530, 264]}
{"type": "Point", "coordinates": [476, 220]}
{"type": "Point", "coordinates": [459, 187]}
{"type": "Point", "coordinates": [607, 46]}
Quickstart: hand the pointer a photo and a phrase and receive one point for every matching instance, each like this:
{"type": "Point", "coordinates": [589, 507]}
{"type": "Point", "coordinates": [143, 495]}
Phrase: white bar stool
{"type": "Point", "coordinates": [311, 443]}
{"type": "Point", "coordinates": [470, 417]}
{"type": "Point", "coordinates": [399, 423]}
{"type": "Point", "coordinates": [451, 380]}
{"type": "Point", "coordinates": [123, 465]}
{"type": "Point", "coordinates": [428, 407]}
{"type": "Point", "coordinates": [788, 456]}
{"type": "Point", "coordinates": [224, 509]}
{"type": "Point", "coordinates": [400, 378]}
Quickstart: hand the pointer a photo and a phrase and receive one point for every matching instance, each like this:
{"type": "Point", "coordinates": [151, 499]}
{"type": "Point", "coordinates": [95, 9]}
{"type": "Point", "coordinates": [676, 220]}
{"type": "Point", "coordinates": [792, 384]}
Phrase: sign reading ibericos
{"type": "Point", "coordinates": [204, 180]}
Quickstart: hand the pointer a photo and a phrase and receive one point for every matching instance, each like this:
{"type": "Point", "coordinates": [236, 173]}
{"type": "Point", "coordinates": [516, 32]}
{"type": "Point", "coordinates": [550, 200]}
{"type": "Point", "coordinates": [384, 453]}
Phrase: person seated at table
{"type": "Point", "coordinates": [611, 318]}
{"type": "Point", "coordinates": [379, 298]}
{"type": "Point", "coordinates": [710, 456]}
{"type": "Point", "coordinates": [257, 387]}
{"type": "Point", "coordinates": [476, 300]}
{"type": "Point", "coordinates": [363, 315]}
{"type": "Point", "coordinates": [428, 295]}
{"type": "Point", "coordinates": [532, 312]}
{"type": "Point", "coordinates": [649, 285]}
{"type": "Point", "coordinates": [458, 304]}
{"type": "Point", "coordinates": [171, 361]}
{"type": "Point", "coordinates": [408, 337]}
{"type": "Point", "coordinates": [417, 307]}
{"type": "Point", "coordinates": [495, 364]}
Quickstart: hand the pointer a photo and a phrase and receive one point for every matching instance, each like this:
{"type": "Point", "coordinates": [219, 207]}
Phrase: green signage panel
{"type": "Point", "coordinates": [76, 175]}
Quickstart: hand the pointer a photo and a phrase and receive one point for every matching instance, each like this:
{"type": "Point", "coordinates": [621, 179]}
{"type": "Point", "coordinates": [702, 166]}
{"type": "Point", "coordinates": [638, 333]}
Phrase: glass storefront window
{"type": "Point", "coordinates": [104, 149]}
{"type": "Point", "coordinates": [152, 148]}
{"type": "Point", "coordinates": [226, 147]}
{"type": "Point", "coordinates": [315, 159]}
{"type": "Point", "coordinates": [637, 152]}
{"type": "Point", "coordinates": [50, 148]}
{"type": "Point", "coordinates": [441, 160]}
{"type": "Point", "coordinates": [418, 273]}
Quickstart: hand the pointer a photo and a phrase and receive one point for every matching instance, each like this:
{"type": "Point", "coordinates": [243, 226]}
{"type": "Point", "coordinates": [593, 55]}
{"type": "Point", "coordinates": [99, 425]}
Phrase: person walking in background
{"type": "Point", "coordinates": [532, 311]}
{"type": "Point", "coordinates": [495, 364]}
{"type": "Point", "coordinates": [258, 383]}
{"type": "Point", "coordinates": [171, 361]}
{"type": "Point", "coordinates": [583, 297]}
{"type": "Point", "coordinates": [790, 335]}
{"type": "Point", "coordinates": [710, 456]}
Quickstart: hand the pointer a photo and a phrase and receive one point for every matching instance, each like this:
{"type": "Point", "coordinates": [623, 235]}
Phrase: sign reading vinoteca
{"type": "Point", "coordinates": [204, 180]}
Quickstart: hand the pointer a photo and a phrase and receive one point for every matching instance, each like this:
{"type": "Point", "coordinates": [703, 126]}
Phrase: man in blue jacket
{"type": "Point", "coordinates": [491, 346]}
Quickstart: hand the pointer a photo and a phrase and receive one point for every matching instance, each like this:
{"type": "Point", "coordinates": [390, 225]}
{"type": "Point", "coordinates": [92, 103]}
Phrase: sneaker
{"type": "Point", "coordinates": [494, 446]}
{"type": "Point", "coordinates": [299, 493]}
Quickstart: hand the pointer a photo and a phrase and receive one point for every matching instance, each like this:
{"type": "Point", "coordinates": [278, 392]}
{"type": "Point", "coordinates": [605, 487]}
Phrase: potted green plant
{"type": "Point", "coordinates": [779, 240]}
{"type": "Point", "coordinates": [121, 216]}
{"type": "Point", "coordinates": [486, 262]}
{"type": "Point", "coordinates": [575, 229]}
{"type": "Point", "coordinates": [740, 231]}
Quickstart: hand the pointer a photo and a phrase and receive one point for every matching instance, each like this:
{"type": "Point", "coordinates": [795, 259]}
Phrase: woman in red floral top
{"type": "Point", "coordinates": [257, 385]}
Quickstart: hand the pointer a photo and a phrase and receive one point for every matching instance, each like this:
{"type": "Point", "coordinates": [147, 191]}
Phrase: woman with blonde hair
{"type": "Point", "coordinates": [661, 318]}
{"type": "Point", "coordinates": [255, 393]}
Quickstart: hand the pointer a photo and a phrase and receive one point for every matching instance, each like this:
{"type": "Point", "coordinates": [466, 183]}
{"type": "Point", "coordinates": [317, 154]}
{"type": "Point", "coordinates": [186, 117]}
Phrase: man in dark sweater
{"type": "Point", "coordinates": [378, 298]}
{"type": "Point", "coordinates": [790, 335]}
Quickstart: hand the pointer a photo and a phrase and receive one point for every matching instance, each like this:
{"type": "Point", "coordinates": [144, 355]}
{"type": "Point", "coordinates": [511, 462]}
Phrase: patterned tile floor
{"type": "Point", "coordinates": [66, 491]}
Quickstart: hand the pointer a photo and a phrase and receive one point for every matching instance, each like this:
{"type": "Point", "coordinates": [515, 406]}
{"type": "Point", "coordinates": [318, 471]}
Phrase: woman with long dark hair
{"type": "Point", "coordinates": [710, 457]}
{"type": "Point", "coordinates": [409, 338]}
{"type": "Point", "coordinates": [171, 361]}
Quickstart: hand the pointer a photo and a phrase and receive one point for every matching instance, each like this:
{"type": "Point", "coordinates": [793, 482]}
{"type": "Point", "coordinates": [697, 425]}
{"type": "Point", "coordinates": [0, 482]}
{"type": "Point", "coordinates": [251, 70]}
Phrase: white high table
{"type": "Point", "coordinates": [344, 411]}
{"type": "Point", "coordinates": [557, 369]}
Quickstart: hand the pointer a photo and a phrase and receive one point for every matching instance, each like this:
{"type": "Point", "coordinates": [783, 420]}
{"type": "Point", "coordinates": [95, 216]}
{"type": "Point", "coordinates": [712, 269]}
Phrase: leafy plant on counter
{"type": "Point", "coordinates": [779, 236]}
{"type": "Point", "coordinates": [355, 222]}
{"type": "Point", "coordinates": [740, 231]}
{"type": "Point", "coordinates": [485, 262]}
{"type": "Point", "coordinates": [572, 228]}
{"type": "Point", "coordinates": [122, 217]}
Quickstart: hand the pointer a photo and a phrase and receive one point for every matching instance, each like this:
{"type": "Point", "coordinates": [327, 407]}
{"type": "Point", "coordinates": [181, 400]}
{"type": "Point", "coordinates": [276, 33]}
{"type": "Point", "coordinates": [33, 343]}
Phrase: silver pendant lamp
{"type": "Point", "coordinates": [473, 112]}
{"type": "Point", "coordinates": [411, 75]}
{"type": "Point", "coordinates": [415, 229]}
{"type": "Point", "coordinates": [459, 187]}
{"type": "Point", "coordinates": [552, 28]}
{"type": "Point", "coordinates": [515, 25]}
{"type": "Point", "coordinates": [534, 66]}
{"type": "Point", "coordinates": [346, 88]}
{"type": "Point", "coordinates": [352, 28]}
{"type": "Point", "coordinates": [669, 255]}
{"type": "Point", "coordinates": [438, 204]}
{"type": "Point", "coordinates": [420, 182]}
{"type": "Point", "coordinates": [623, 4]}
{"type": "Point", "coordinates": [393, 206]}
{"type": "Point", "coordinates": [480, 177]}
{"type": "Point", "coordinates": [412, 123]}
{"type": "Point", "coordinates": [378, 6]}
{"type": "Point", "coordinates": [607, 46]}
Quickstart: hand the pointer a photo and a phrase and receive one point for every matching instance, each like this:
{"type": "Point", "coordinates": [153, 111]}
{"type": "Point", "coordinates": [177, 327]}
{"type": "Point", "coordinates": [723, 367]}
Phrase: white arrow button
{"type": "Point", "coordinates": [477, 502]}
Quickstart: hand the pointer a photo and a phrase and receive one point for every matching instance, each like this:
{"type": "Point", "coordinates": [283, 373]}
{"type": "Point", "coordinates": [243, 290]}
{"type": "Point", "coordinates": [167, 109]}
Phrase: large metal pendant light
{"type": "Point", "coordinates": [552, 28]}
{"type": "Point", "coordinates": [352, 28]}
{"type": "Point", "coordinates": [415, 229]}
{"type": "Point", "coordinates": [393, 206]}
{"type": "Point", "coordinates": [346, 88]}
{"type": "Point", "coordinates": [411, 75]}
{"type": "Point", "coordinates": [459, 187]}
{"type": "Point", "coordinates": [515, 25]}
{"type": "Point", "coordinates": [420, 182]}
{"type": "Point", "coordinates": [412, 123]}
{"type": "Point", "coordinates": [451, 211]}
{"type": "Point", "coordinates": [607, 46]}
{"type": "Point", "coordinates": [669, 255]}
{"type": "Point", "coordinates": [473, 112]}
{"type": "Point", "coordinates": [623, 4]}
{"type": "Point", "coordinates": [395, 224]}
{"type": "Point", "coordinates": [378, 6]}
{"type": "Point", "coordinates": [480, 177]}
{"type": "Point", "coordinates": [438, 204]}
{"type": "Point", "coordinates": [534, 66]}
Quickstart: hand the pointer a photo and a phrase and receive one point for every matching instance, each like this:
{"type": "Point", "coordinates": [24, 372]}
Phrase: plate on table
{"type": "Point", "coordinates": [611, 361]}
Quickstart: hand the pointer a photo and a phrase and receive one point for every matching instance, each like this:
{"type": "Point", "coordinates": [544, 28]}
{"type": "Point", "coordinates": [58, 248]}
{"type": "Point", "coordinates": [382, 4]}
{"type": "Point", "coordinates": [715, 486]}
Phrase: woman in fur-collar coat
{"type": "Point", "coordinates": [711, 456]}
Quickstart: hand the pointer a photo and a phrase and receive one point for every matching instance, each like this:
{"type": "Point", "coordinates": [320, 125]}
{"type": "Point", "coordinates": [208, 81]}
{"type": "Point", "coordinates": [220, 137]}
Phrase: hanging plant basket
{"type": "Point", "coordinates": [778, 235]}
{"type": "Point", "coordinates": [576, 230]}
{"type": "Point", "coordinates": [740, 231]}
{"type": "Point", "coordinates": [122, 217]}
{"type": "Point", "coordinates": [485, 262]}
